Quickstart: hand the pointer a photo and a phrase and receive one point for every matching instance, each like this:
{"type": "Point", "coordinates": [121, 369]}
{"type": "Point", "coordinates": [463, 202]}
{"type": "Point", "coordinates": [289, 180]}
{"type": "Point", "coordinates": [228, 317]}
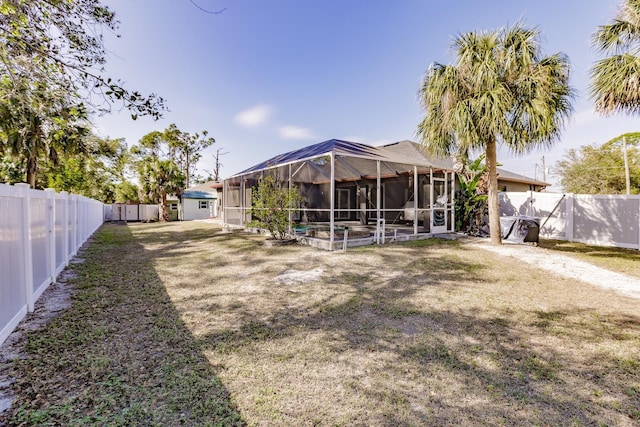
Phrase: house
{"type": "Point", "coordinates": [199, 202]}
{"type": "Point", "coordinates": [507, 181]}
{"type": "Point", "coordinates": [374, 192]}
{"type": "Point", "coordinates": [359, 193]}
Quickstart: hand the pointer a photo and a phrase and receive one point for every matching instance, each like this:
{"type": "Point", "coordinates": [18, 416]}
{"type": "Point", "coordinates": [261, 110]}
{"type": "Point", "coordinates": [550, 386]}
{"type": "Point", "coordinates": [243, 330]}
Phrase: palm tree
{"type": "Point", "coordinates": [615, 80]}
{"type": "Point", "coordinates": [33, 133]}
{"type": "Point", "coordinates": [158, 178]}
{"type": "Point", "coordinates": [158, 172]}
{"type": "Point", "coordinates": [501, 90]}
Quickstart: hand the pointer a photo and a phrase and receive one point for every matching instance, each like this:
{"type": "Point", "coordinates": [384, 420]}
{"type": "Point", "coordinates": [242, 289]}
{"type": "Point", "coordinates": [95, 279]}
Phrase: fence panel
{"type": "Point", "coordinates": [512, 204]}
{"type": "Point", "coordinates": [39, 233]}
{"type": "Point", "coordinates": [40, 241]}
{"type": "Point", "coordinates": [60, 232]}
{"type": "Point", "coordinates": [552, 210]}
{"type": "Point", "coordinates": [13, 299]}
{"type": "Point", "coordinates": [604, 220]}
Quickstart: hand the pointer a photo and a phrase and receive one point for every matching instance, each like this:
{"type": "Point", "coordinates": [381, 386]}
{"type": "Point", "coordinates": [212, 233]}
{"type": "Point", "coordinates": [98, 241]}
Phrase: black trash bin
{"type": "Point", "coordinates": [520, 229]}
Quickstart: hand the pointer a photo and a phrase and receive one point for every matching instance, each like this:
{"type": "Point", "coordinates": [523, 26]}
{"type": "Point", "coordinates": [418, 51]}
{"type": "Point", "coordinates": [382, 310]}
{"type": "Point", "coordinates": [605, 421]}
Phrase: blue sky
{"type": "Point", "coordinates": [269, 76]}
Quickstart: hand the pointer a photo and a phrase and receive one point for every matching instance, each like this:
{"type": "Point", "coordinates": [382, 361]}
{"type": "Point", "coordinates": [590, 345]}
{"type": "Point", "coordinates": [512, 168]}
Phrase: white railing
{"type": "Point", "coordinates": [40, 231]}
{"type": "Point", "coordinates": [603, 220]}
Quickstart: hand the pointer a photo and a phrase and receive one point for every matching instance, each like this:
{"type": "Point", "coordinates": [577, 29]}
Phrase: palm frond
{"type": "Point", "coordinates": [616, 84]}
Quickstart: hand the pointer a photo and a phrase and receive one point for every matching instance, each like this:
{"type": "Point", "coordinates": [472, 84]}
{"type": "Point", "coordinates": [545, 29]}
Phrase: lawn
{"type": "Point", "coordinates": [186, 324]}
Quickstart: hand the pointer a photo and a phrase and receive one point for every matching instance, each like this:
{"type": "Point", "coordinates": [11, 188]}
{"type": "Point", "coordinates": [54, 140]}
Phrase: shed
{"type": "Point", "coordinates": [199, 202]}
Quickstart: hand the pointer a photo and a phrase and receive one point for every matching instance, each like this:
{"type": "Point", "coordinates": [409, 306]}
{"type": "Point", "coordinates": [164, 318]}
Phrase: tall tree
{"type": "Point", "coordinates": [40, 131]}
{"type": "Point", "coordinates": [97, 172]}
{"type": "Point", "coordinates": [52, 77]}
{"type": "Point", "coordinates": [501, 90]}
{"type": "Point", "coordinates": [158, 172]}
{"type": "Point", "coordinates": [58, 45]}
{"type": "Point", "coordinates": [186, 149]}
{"type": "Point", "coordinates": [615, 80]}
{"type": "Point", "coordinates": [600, 169]}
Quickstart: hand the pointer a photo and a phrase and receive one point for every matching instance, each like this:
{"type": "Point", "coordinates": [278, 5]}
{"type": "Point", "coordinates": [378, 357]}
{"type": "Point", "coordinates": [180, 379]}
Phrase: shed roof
{"type": "Point", "coordinates": [202, 191]}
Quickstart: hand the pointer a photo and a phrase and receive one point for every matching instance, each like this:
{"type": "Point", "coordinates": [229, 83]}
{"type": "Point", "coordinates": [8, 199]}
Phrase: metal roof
{"type": "Point", "coordinates": [202, 191]}
{"type": "Point", "coordinates": [339, 148]}
{"type": "Point", "coordinates": [410, 149]}
{"type": "Point", "coordinates": [199, 195]}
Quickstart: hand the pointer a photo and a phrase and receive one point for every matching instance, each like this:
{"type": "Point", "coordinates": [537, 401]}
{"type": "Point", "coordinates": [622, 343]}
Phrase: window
{"type": "Point", "coordinates": [173, 206]}
{"type": "Point", "coordinates": [202, 204]}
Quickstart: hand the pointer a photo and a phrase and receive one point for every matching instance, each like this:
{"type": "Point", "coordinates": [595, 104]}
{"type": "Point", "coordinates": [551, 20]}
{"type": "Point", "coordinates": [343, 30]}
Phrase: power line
{"type": "Point", "coordinates": [208, 11]}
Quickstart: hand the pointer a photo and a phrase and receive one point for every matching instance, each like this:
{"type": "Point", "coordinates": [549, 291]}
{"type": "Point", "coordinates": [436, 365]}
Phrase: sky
{"type": "Point", "coordinates": [268, 76]}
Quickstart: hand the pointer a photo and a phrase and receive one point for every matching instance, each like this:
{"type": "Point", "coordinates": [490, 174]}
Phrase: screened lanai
{"type": "Point", "coordinates": [352, 194]}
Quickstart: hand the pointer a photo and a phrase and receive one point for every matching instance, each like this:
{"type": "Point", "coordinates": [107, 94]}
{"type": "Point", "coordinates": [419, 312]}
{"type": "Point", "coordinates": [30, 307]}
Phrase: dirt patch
{"type": "Point", "coordinates": [291, 277]}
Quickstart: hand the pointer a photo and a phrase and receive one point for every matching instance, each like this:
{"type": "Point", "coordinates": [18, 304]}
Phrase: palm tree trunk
{"type": "Point", "coordinates": [32, 167]}
{"type": "Point", "coordinates": [494, 206]}
{"type": "Point", "coordinates": [164, 212]}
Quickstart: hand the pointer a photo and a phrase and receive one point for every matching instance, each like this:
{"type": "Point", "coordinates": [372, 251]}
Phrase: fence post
{"type": "Point", "coordinates": [569, 214]}
{"type": "Point", "coordinates": [74, 225]}
{"type": "Point", "coordinates": [65, 226]}
{"type": "Point", "coordinates": [530, 209]}
{"type": "Point", "coordinates": [638, 223]}
{"type": "Point", "coordinates": [26, 243]}
{"type": "Point", "coordinates": [51, 222]}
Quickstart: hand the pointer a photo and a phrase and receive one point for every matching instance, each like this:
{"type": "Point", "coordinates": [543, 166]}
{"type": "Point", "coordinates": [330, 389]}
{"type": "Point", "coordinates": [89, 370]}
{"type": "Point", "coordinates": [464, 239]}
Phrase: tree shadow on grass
{"type": "Point", "coordinates": [591, 251]}
{"type": "Point", "coordinates": [120, 355]}
{"type": "Point", "coordinates": [501, 366]}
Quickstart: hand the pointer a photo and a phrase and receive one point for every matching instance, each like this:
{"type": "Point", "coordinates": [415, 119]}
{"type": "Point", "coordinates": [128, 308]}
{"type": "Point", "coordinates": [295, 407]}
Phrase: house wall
{"type": "Point", "coordinates": [191, 209]}
{"type": "Point", "coordinates": [362, 199]}
{"type": "Point", "coordinates": [515, 187]}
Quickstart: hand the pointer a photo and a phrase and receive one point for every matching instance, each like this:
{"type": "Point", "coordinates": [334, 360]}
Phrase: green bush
{"type": "Point", "coordinates": [272, 206]}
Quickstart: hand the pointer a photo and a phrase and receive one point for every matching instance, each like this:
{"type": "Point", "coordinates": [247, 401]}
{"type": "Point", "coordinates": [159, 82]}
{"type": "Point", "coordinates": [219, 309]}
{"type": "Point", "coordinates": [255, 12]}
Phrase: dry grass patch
{"type": "Point", "coordinates": [424, 333]}
{"type": "Point", "coordinates": [427, 333]}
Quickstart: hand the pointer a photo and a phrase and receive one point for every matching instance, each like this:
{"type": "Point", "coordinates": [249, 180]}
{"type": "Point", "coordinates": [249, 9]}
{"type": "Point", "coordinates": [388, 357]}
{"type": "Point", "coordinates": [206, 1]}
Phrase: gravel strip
{"type": "Point", "coordinates": [567, 267]}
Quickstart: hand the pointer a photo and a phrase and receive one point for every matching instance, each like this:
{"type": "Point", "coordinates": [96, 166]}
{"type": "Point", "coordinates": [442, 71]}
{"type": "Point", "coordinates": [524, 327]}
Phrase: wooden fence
{"type": "Point", "coordinates": [603, 220]}
{"type": "Point", "coordinates": [40, 231]}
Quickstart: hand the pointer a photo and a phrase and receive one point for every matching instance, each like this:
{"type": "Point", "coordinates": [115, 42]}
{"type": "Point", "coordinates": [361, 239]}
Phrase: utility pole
{"type": "Point", "coordinates": [626, 165]}
{"type": "Point", "coordinates": [544, 170]}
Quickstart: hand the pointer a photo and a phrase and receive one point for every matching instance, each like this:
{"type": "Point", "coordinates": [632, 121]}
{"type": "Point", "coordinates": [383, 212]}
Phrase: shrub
{"type": "Point", "coordinates": [272, 206]}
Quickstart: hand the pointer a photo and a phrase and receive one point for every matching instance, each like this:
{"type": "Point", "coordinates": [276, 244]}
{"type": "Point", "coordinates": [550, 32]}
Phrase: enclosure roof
{"type": "Point", "coordinates": [340, 148]}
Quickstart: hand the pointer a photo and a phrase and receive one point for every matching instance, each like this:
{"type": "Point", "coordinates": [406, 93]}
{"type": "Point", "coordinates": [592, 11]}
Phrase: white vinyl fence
{"type": "Point", "coordinates": [136, 212]}
{"type": "Point", "coordinates": [604, 220]}
{"type": "Point", "coordinates": [40, 231]}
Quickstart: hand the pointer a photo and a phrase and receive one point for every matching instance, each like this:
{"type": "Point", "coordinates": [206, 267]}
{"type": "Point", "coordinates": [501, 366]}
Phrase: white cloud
{"type": "Point", "coordinates": [254, 116]}
{"type": "Point", "coordinates": [295, 132]}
